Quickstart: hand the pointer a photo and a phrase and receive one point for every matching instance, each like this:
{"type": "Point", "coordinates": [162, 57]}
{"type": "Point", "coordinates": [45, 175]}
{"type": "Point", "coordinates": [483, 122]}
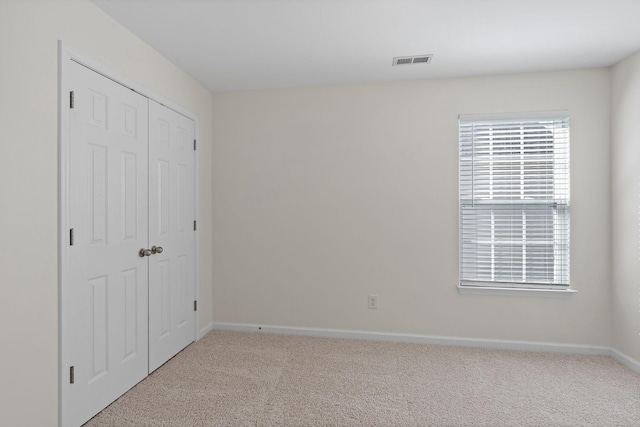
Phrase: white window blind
{"type": "Point", "coordinates": [514, 199]}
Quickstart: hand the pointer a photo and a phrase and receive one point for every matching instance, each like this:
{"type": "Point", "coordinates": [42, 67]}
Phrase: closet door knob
{"type": "Point", "coordinates": [144, 252]}
{"type": "Point", "coordinates": [156, 249]}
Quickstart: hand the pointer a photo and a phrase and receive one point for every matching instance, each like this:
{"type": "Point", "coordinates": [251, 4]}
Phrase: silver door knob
{"type": "Point", "coordinates": [156, 249]}
{"type": "Point", "coordinates": [144, 252]}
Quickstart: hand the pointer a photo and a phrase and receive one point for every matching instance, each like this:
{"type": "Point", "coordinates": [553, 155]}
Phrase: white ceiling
{"type": "Point", "coordinates": [261, 44]}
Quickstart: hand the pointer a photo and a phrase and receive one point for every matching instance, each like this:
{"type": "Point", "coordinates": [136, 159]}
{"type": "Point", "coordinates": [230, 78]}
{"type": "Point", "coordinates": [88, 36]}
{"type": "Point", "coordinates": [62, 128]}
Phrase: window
{"type": "Point", "coordinates": [514, 200]}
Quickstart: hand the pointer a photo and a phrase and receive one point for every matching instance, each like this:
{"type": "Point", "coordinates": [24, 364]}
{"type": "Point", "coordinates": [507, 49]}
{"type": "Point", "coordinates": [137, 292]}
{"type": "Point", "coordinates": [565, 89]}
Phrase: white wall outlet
{"type": "Point", "coordinates": [373, 302]}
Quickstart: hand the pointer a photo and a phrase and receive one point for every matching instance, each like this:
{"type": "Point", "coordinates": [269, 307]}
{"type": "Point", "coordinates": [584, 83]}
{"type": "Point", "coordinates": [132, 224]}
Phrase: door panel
{"type": "Point", "coordinates": [104, 324]}
{"type": "Point", "coordinates": [172, 212]}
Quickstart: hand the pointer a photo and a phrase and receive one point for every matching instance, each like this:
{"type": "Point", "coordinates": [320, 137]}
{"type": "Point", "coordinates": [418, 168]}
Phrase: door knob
{"type": "Point", "coordinates": [156, 249]}
{"type": "Point", "coordinates": [144, 252]}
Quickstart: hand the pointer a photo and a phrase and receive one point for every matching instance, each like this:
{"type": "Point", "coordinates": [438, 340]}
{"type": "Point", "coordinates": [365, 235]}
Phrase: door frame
{"type": "Point", "coordinates": [65, 55]}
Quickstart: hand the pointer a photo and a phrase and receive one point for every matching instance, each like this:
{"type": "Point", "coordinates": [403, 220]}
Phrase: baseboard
{"type": "Point", "coordinates": [628, 361]}
{"type": "Point", "coordinates": [204, 331]}
{"type": "Point", "coordinates": [418, 339]}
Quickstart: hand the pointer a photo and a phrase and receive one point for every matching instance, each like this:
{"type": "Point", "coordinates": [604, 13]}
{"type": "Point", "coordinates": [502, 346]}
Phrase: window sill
{"type": "Point", "coordinates": [491, 290]}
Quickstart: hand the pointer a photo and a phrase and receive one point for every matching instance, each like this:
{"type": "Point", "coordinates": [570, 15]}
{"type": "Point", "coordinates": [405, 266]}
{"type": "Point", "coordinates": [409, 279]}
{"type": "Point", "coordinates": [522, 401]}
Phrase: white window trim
{"type": "Point", "coordinates": [525, 292]}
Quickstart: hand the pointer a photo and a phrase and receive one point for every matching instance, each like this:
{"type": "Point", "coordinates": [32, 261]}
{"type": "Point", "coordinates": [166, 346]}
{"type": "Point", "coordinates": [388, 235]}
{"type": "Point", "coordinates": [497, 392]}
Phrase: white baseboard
{"type": "Point", "coordinates": [204, 331]}
{"type": "Point", "coordinates": [629, 362]}
{"type": "Point", "coordinates": [420, 339]}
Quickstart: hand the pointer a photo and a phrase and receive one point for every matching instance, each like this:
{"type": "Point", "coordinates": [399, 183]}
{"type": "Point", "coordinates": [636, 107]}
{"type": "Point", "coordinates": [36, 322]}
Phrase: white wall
{"type": "Point", "coordinates": [626, 206]}
{"type": "Point", "coordinates": [322, 195]}
{"type": "Point", "coordinates": [325, 195]}
{"type": "Point", "coordinates": [29, 33]}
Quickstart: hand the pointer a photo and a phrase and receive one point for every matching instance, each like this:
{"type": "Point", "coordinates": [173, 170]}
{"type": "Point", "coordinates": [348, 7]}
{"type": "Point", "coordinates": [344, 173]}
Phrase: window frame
{"type": "Point", "coordinates": [467, 284]}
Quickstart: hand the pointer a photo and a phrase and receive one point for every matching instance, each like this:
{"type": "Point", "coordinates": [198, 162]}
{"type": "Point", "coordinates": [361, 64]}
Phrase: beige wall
{"type": "Point", "coordinates": [625, 167]}
{"type": "Point", "coordinates": [325, 195]}
{"type": "Point", "coordinates": [29, 33]}
{"type": "Point", "coordinates": [322, 196]}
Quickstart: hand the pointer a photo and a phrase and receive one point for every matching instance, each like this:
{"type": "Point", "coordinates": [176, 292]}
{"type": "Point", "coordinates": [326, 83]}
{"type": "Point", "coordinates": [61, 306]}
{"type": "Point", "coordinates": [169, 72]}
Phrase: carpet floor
{"type": "Point", "coordinates": [253, 379]}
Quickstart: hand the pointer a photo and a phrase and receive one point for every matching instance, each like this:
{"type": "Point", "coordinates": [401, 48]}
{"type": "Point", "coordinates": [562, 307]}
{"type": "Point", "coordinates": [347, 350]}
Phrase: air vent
{"type": "Point", "coordinates": [408, 60]}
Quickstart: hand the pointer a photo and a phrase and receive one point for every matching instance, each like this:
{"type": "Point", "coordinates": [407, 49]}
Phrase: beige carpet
{"type": "Point", "coordinates": [246, 379]}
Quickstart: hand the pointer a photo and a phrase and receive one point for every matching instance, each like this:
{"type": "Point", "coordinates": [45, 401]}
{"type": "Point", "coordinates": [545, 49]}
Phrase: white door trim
{"type": "Point", "coordinates": [65, 55]}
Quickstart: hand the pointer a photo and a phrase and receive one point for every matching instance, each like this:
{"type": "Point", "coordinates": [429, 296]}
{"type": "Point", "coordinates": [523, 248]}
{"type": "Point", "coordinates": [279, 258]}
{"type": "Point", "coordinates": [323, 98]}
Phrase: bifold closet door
{"type": "Point", "coordinates": [128, 293]}
{"type": "Point", "coordinates": [172, 228]}
{"type": "Point", "coordinates": [104, 299]}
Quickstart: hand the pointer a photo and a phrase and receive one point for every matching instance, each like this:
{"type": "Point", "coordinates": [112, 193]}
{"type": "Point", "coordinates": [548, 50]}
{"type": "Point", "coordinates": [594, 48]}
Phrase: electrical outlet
{"type": "Point", "coordinates": [373, 302]}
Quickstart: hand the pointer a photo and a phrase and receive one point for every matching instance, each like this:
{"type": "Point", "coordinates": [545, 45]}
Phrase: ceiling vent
{"type": "Point", "coordinates": [408, 60]}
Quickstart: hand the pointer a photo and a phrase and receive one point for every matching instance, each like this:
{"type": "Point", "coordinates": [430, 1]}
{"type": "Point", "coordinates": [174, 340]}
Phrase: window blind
{"type": "Point", "coordinates": [514, 199]}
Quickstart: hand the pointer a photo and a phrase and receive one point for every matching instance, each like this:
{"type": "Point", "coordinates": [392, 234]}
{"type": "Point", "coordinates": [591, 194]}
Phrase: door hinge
{"type": "Point", "coordinates": [194, 145]}
{"type": "Point", "coordinates": [195, 225]}
{"type": "Point", "coordinates": [195, 306]}
{"type": "Point", "coordinates": [71, 99]}
{"type": "Point", "coordinates": [71, 237]}
{"type": "Point", "coordinates": [72, 375]}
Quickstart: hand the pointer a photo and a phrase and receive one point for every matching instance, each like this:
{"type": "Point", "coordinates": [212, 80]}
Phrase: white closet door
{"type": "Point", "coordinates": [171, 227]}
{"type": "Point", "coordinates": [104, 307]}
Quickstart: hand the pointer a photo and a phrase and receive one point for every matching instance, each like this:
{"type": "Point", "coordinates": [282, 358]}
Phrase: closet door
{"type": "Point", "coordinates": [171, 233]}
{"type": "Point", "coordinates": [104, 299]}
